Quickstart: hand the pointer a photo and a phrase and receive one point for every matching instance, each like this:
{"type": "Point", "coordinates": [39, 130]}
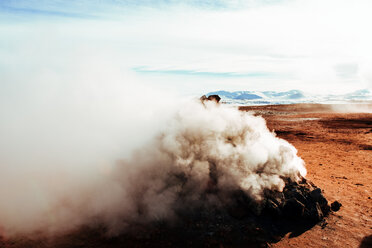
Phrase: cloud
{"type": "Point", "coordinates": [290, 44]}
{"type": "Point", "coordinates": [204, 73]}
{"type": "Point", "coordinates": [348, 70]}
{"type": "Point", "coordinates": [101, 7]}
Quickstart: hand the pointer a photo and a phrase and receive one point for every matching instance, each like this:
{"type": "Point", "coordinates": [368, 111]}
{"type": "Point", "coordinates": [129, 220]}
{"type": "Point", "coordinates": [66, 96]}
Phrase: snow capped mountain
{"type": "Point", "coordinates": [287, 97]}
{"type": "Point", "coordinates": [292, 94]}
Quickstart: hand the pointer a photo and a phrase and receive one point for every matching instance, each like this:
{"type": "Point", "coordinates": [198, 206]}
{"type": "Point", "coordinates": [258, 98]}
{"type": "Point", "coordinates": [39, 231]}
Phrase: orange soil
{"type": "Point", "coordinates": [337, 150]}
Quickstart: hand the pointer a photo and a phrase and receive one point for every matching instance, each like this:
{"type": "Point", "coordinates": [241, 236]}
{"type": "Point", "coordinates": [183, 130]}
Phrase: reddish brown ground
{"type": "Point", "coordinates": [337, 150]}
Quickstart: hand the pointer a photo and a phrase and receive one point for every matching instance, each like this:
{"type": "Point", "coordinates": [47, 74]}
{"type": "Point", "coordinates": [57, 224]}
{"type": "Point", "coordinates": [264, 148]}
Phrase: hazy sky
{"type": "Point", "coordinates": [190, 47]}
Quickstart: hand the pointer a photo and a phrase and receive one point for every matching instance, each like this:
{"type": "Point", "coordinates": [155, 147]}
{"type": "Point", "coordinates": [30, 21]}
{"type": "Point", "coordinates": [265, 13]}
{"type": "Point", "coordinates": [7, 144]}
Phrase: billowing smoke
{"type": "Point", "coordinates": [199, 154]}
{"type": "Point", "coordinates": [205, 152]}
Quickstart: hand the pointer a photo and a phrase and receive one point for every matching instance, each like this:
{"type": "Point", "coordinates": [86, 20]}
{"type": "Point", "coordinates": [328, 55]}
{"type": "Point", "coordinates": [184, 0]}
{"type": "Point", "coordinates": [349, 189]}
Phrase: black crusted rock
{"type": "Point", "coordinates": [335, 206]}
{"type": "Point", "coordinates": [293, 208]}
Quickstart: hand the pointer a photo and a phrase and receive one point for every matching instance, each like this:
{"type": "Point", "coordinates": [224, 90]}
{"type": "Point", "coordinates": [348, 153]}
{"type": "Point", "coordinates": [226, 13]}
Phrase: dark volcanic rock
{"type": "Point", "coordinates": [335, 206]}
{"type": "Point", "coordinates": [245, 221]}
{"type": "Point", "coordinates": [316, 213]}
{"type": "Point", "coordinates": [300, 206]}
{"type": "Point", "coordinates": [292, 208]}
{"type": "Point", "coordinates": [272, 209]}
{"type": "Point", "coordinates": [215, 98]}
{"type": "Point", "coordinates": [318, 197]}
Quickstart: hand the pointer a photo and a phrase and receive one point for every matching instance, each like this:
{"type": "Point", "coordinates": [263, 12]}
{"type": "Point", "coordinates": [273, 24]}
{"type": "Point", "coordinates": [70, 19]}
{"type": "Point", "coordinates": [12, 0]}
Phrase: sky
{"type": "Point", "coordinates": [189, 47]}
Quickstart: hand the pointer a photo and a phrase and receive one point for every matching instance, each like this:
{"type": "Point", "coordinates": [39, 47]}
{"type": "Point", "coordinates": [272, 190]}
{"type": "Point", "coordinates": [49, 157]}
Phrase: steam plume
{"type": "Point", "coordinates": [200, 155]}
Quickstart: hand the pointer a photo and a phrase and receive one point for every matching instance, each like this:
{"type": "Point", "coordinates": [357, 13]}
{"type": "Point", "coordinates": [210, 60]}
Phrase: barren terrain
{"type": "Point", "coordinates": [337, 149]}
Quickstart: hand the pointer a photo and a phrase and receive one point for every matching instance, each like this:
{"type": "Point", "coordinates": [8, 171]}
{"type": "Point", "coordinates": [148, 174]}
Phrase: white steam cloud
{"type": "Point", "coordinates": [79, 161]}
{"type": "Point", "coordinates": [207, 148]}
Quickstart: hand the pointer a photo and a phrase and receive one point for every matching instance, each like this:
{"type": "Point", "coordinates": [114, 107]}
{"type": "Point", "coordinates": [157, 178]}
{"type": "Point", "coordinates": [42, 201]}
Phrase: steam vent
{"type": "Point", "coordinates": [241, 221]}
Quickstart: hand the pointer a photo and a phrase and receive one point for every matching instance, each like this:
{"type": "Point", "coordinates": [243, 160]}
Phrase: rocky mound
{"type": "Point", "coordinates": [243, 222]}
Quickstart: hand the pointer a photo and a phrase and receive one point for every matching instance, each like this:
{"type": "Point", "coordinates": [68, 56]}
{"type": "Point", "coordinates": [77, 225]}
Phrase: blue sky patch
{"type": "Point", "coordinates": [143, 70]}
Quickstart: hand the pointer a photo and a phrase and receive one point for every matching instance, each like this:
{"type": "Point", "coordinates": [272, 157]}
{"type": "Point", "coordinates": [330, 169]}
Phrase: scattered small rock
{"type": "Point", "coordinates": [342, 177]}
{"type": "Point", "coordinates": [324, 224]}
{"type": "Point", "coordinates": [335, 206]}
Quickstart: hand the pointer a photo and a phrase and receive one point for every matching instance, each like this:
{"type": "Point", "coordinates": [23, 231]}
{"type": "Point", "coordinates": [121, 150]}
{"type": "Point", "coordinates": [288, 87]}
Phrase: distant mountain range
{"type": "Point", "coordinates": [287, 97]}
